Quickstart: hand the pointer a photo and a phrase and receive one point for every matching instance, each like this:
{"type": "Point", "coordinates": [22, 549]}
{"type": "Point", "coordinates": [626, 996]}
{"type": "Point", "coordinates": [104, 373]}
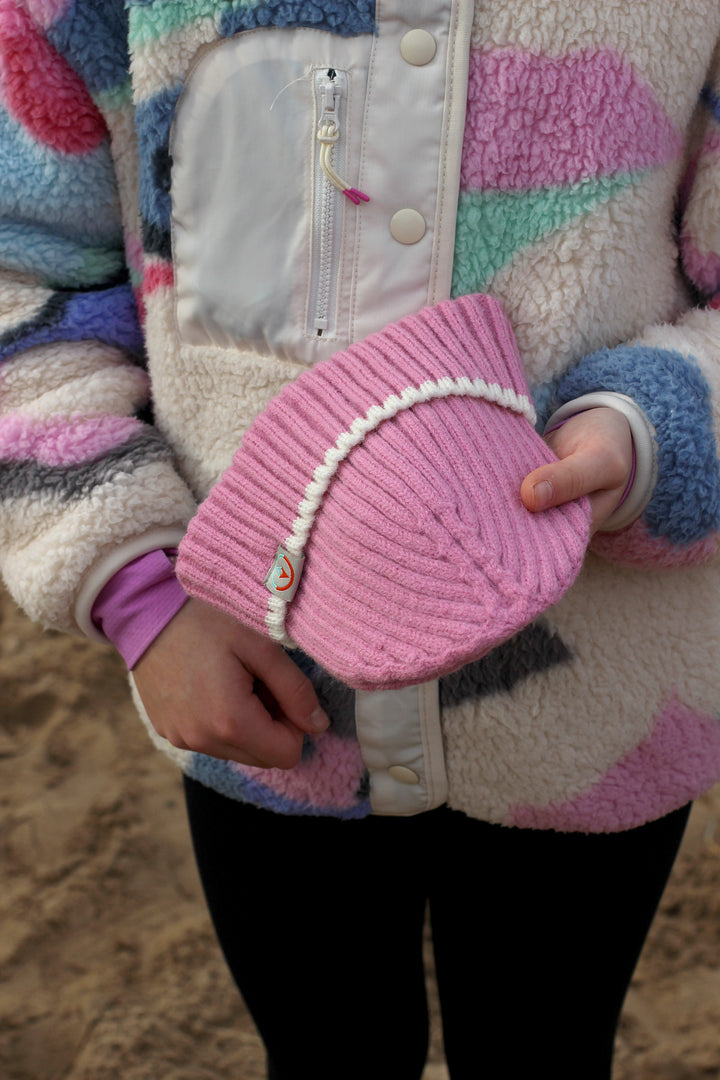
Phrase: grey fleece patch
{"type": "Point", "coordinates": [29, 478]}
{"type": "Point", "coordinates": [534, 649]}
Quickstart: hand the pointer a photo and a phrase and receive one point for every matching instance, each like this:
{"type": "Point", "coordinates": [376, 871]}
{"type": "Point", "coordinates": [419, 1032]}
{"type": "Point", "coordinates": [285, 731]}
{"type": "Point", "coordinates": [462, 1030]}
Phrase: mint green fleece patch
{"type": "Point", "coordinates": [148, 23]}
{"type": "Point", "coordinates": [114, 99]}
{"type": "Point", "coordinates": [57, 261]}
{"type": "Point", "coordinates": [493, 226]}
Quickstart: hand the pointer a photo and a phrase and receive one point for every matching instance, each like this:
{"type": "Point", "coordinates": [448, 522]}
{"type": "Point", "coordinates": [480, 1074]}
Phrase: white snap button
{"type": "Point", "coordinates": [407, 226]}
{"type": "Point", "coordinates": [403, 775]}
{"type": "Point", "coordinates": [418, 47]}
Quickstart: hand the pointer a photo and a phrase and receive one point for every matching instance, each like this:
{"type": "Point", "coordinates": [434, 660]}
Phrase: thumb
{"type": "Point", "coordinates": [558, 483]}
{"type": "Point", "coordinates": [585, 472]}
{"type": "Point", "coordinates": [595, 453]}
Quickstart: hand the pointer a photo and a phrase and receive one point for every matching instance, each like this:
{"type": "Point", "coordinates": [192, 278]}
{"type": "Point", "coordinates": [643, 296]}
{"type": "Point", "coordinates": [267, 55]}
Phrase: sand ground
{"type": "Point", "coordinates": [108, 964]}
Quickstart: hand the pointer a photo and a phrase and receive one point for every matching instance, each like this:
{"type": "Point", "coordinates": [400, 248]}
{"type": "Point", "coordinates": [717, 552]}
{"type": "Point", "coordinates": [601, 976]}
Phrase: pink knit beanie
{"type": "Point", "coordinates": [372, 514]}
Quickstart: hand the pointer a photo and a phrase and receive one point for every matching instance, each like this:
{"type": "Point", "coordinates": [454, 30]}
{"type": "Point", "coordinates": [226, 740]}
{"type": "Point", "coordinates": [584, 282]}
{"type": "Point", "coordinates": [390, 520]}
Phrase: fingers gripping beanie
{"type": "Point", "coordinates": [372, 514]}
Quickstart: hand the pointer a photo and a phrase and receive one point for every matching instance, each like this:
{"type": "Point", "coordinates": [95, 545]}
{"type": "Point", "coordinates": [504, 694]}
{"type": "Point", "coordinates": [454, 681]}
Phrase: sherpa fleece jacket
{"type": "Point", "coordinates": [162, 240]}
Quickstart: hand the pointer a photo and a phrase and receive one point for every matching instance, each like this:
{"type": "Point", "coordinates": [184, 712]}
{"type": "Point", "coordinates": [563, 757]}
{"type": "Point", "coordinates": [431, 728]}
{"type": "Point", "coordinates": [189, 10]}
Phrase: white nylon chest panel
{"type": "Point", "coordinates": [268, 253]}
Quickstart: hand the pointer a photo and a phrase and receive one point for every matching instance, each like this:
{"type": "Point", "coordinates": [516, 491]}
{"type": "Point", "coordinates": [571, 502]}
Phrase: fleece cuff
{"type": "Point", "coordinates": [674, 395]}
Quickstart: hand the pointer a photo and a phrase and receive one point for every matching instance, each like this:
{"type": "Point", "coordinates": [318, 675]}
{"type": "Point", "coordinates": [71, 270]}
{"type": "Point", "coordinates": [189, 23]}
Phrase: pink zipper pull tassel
{"type": "Point", "coordinates": [355, 196]}
{"type": "Point", "coordinates": [328, 135]}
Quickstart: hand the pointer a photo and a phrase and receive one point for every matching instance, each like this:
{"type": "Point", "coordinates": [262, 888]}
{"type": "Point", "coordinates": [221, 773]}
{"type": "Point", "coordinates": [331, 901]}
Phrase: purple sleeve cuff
{"type": "Point", "coordinates": [137, 603]}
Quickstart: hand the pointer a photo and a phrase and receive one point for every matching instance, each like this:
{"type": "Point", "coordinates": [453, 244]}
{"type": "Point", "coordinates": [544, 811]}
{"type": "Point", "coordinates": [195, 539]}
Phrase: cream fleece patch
{"type": "Point", "coordinates": [21, 299]}
{"type": "Point", "coordinates": [206, 398]}
{"type": "Point", "coordinates": [165, 62]}
{"type": "Point", "coordinates": [558, 731]}
{"type": "Point", "coordinates": [63, 379]}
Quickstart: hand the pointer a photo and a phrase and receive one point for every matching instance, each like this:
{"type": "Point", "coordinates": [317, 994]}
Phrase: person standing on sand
{"type": "Point", "coordinates": [324, 269]}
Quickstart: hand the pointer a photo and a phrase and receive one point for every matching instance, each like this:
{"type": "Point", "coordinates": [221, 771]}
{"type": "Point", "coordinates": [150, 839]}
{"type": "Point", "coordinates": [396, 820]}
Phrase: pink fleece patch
{"type": "Point", "coordinates": [47, 12]}
{"type": "Point", "coordinates": [537, 121]}
{"type": "Point", "coordinates": [41, 90]}
{"type": "Point", "coordinates": [702, 268]}
{"type": "Point", "coordinates": [134, 252]}
{"type": "Point", "coordinates": [67, 441]}
{"type": "Point", "coordinates": [140, 304]}
{"type": "Point", "coordinates": [158, 275]}
{"type": "Point", "coordinates": [710, 148]}
{"type": "Point", "coordinates": [328, 779]}
{"type": "Point", "coordinates": [711, 143]}
{"type": "Point", "coordinates": [635, 546]}
{"type": "Point", "coordinates": [677, 762]}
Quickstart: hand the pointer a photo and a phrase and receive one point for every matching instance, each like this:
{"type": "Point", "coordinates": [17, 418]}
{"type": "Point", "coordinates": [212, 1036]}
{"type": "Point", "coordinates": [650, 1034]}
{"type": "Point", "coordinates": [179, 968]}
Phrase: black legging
{"type": "Point", "coordinates": [536, 936]}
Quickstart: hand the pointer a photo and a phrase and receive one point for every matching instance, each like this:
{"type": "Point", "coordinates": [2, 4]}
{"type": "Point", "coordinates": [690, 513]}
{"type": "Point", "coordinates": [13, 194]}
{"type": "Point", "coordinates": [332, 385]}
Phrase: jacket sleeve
{"type": "Point", "coordinates": [672, 372]}
{"type": "Point", "coordinates": [86, 483]}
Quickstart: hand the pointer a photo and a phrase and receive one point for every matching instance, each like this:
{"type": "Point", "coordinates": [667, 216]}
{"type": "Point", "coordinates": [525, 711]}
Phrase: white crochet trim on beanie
{"type": "Point", "coordinates": [322, 477]}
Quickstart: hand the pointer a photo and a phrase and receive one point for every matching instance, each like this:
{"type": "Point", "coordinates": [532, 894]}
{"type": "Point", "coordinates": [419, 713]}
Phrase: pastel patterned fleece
{"type": "Point", "coordinates": [579, 147]}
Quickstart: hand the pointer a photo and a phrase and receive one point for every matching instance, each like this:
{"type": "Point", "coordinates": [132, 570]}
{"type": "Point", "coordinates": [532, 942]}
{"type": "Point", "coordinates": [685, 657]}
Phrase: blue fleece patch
{"type": "Point", "coordinates": [153, 120]}
{"type": "Point", "coordinates": [543, 397]}
{"type": "Point", "coordinates": [224, 777]}
{"type": "Point", "coordinates": [74, 195]}
{"type": "Point", "coordinates": [675, 396]}
{"type": "Point", "coordinates": [108, 315]}
{"type": "Point", "coordinates": [93, 39]}
{"type": "Point", "coordinates": [347, 18]}
{"type": "Point", "coordinates": [57, 262]}
{"type": "Point", "coordinates": [712, 100]}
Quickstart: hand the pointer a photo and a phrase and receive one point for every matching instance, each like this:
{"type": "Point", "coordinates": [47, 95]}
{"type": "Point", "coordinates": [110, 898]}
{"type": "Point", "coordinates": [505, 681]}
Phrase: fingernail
{"type": "Point", "coordinates": [543, 494]}
{"type": "Point", "coordinates": [318, 720]}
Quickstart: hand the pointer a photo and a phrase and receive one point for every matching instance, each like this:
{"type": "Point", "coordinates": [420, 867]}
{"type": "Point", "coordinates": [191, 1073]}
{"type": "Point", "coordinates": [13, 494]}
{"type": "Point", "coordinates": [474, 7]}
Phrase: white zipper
{"type": "Point", "coordinates": [330, 89]}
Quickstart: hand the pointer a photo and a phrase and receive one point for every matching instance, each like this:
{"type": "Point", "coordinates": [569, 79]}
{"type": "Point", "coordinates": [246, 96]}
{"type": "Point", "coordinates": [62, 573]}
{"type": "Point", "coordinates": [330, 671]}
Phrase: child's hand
{"type": "Point", "coordinates": [595, 451]}
{"type": "Point", "coordinates": [212, 685]}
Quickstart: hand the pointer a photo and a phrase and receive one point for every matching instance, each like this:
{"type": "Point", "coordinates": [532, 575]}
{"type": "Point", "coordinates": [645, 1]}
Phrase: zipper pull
{"type": "Point", "coordinates": [331, 92]}
{"type": "Point", "coordinates": [328, 135]}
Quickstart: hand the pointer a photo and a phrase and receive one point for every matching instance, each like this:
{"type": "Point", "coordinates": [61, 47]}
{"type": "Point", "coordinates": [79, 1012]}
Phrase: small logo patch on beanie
{"type": "Point", "coordinates": [283, 577]}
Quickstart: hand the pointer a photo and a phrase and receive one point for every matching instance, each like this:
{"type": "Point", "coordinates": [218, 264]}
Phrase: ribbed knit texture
{"type": "Point", "coordinates": [420, 555]}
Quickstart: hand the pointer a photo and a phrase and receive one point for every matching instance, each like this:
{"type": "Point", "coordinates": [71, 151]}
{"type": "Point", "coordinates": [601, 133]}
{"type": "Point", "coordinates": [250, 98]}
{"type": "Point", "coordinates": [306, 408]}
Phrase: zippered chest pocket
{"type": "Point", "coordinates": [328, 187]}
{"type": "Point", "coordinates": [266, 150]}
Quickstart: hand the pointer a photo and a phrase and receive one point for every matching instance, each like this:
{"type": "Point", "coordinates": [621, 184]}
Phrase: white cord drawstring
{"type": "Point", "coordinates": [328, 135]}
